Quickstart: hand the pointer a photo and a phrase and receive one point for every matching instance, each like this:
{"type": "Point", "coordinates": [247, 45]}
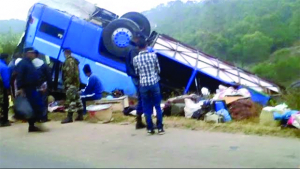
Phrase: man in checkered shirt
{"type": "Point", "coordinates": [147, 67]}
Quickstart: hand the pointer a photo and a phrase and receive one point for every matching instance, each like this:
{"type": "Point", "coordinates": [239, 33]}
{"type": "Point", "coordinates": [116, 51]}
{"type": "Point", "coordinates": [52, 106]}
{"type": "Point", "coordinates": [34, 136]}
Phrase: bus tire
{"type": "Point", "coordinates": [140, 20]}
{"type": "Point", "coordinates": [109, 30]}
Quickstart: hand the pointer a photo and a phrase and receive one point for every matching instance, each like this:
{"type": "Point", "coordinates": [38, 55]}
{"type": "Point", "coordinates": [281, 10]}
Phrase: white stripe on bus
{"type": "Point", "coordinates": [86, 96]}
{"type": "Point", "coordinates": [47, 42]}
{"type": "Point", "coordinates": [112, 69]}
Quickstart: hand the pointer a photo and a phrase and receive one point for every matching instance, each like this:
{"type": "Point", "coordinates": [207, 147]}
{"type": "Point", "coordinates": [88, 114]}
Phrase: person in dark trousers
{"type": "Point", "coordinates": [93, 90]}
{"type": "Point", "coordinates": [27, 84]}
{"type": "Point", "coordinates": [147, 67]}
{"type": "Point", "coordinates": [71, 79]}
{"type": "Point", "coordinates": [45, 82]}
{"type": "Point", "coordinates": [4, 89]}
{"type": "Point", "coordinates": [134, 51]}
{"type": "Point", "coordinates": [12, 67]}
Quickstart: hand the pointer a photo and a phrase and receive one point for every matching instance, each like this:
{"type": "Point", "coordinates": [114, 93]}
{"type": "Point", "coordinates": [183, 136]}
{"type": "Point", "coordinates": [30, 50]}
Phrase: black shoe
{"type": "Point", "coordinates": [79, 118]}
{"type": "Point", "coordinates": [34, 129]}
{"type": "Point", "coordinates": [5, 124]}
{"type": "Point", "coordinates": [140, 125]}
{"type": "Point", "coordinates": [161, 132]}
{"type": "Point", "coordinates": [151, 132]}
{"type": "Point", "coordinates": [67, 120]}
{"type": "Point", "coordinates": [45, 121]}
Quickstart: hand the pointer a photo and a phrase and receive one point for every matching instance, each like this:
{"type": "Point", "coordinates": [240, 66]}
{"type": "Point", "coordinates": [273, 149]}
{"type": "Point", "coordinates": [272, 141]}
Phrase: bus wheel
{"type": "Point", "coordinates": [116, 36]}
{"type": "Point", "coordinates": [141, 20]}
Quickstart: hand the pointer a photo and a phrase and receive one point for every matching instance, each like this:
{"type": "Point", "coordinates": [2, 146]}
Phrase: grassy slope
{"type": "Point", "coordinates": [249, 127]}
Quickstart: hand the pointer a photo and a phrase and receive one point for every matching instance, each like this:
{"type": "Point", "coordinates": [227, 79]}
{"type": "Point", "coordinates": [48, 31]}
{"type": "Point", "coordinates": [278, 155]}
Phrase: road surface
{"type": "Point", "coordinates": [84, 145]}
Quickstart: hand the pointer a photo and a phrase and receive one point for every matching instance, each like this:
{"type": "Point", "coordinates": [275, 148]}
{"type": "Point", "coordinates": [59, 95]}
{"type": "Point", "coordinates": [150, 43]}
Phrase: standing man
{"type": "Point", "coordinates": [147, 67]}
{"type": "Point", "coordinates": [45, 82]}
{"type": "Point", "coordinates": [71, 81]}
{"type": "Point", "coordinates": [134, 51]}
{"type": "Point", "coordinates": [4, 88]}
{"type": "Point", "coordinates": [12, 66]}
{"type": "Point", "coordinates": [27, 84]}
{"type": "Point", "coordinates": [93, 90]}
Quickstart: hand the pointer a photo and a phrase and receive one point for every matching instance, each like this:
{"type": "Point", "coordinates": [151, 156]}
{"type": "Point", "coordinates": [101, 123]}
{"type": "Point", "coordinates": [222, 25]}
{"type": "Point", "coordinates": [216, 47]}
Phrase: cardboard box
{"type": "Point", "coordinates": [118, 104]}
{"type": "Point", "coordinates": [231, 99]}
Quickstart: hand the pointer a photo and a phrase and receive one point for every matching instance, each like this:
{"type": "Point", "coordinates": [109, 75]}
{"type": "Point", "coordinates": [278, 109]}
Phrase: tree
{"type": "Point", "coordinates": [9, 42]}
{"type": "Point", "coordinates": [253, 48]}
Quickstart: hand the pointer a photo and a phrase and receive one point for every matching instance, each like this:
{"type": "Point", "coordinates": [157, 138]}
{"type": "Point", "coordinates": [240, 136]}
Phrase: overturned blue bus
{"type": "Point", "coordinates": [102, 40]}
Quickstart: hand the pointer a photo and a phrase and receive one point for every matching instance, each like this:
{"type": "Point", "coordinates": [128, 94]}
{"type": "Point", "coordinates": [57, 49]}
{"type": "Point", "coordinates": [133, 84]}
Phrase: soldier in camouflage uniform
{"type": "Point", "coordinates": [71, 81]}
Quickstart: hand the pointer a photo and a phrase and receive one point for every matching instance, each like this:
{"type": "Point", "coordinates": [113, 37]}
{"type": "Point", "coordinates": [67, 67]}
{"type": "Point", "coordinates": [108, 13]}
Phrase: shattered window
{"type": "Point", "coordinates": [52, 30]}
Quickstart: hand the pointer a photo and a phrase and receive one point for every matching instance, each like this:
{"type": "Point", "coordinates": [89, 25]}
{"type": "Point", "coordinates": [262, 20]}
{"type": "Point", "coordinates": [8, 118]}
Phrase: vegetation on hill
{"type": "Point", "coordinates": [10, 33]}
{"type": "Point", "coordinates": [244, 32]}
{"type": "Point", "coordinates": [9, 42]}
{"type": "Point", "coordinates": [260, 35]}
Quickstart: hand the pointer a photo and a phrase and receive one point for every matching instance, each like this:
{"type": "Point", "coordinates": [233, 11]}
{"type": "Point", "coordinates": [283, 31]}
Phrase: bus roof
{"type": "Point", "coordinates": [80, 8]}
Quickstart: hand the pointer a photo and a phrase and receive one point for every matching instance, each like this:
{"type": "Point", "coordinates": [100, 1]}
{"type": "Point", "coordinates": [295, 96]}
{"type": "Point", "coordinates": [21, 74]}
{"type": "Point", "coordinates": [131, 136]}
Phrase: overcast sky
{"type": "Point", "coordinates": [18, 9]}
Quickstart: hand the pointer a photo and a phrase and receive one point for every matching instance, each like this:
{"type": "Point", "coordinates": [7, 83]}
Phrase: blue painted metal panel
{"type": "Point", "coordinates": [57, 19]}
{"type": "Point", "coordinates": [37, 11]}
{"type": "Point", "coordinates": [258, 97]}
{"type": "Point", "coordinates": [90, 39]}
{"type": "Point", "coordinates": [73, 36]}
{"type": "Point", "coordinates": [190, 81]}
{"type": "Point", "coordinates": [83, 38]}
{"type": "Point", "coordinates": [46, 47]}
{"type": "Point", "coordinates": [111, 78]}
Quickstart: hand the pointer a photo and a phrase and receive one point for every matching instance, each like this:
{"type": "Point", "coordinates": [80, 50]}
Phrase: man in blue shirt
{"type": "Point", "coordinates": [93, 89]}
{"type": "Point", "coordinates": [4, 88]}
{"type": "Point", "coordinates": [27, 84]}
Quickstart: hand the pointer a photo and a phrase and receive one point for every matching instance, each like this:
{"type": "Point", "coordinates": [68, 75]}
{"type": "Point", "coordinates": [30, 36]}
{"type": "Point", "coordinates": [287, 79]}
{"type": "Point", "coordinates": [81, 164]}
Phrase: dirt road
{"type": "Point", "coordinates": [105, 145]}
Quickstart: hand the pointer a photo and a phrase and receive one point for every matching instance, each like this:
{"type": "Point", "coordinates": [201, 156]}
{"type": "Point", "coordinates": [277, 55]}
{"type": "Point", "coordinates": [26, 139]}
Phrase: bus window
{"type": "Point", "coordinates": [52, 30]}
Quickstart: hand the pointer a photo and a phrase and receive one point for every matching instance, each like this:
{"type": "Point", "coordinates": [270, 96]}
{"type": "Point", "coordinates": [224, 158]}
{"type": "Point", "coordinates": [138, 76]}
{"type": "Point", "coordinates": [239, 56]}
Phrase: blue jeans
{"type": "Point", "coordinates": [139, 107]}
{"type": "Point", "coordinates": [151, 97]}
{"type": "Point", "coordinates": [91, 98]}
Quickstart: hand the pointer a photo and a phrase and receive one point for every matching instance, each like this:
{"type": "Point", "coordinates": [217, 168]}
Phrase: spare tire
{"type": "Point", "coordinates": [117, 35]}
{"type": "Point", "coordinates": [141, 20]}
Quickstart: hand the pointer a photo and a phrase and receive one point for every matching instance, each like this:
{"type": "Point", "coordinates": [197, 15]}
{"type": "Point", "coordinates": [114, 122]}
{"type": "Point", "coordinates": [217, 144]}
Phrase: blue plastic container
{"type": "Point", "coordinates": [219, 105]}
{"type": "Point", "coordinates": [225, 114]}
{"type": "Point", "coordinates": [277, 116]}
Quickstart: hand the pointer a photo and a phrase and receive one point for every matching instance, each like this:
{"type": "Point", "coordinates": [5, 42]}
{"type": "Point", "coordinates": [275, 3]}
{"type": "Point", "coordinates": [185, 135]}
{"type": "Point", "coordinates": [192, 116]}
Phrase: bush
{"type": "Point", "coordinates": [9, 42]}
{"type": "Point", "coordinates": [292, 98]}
{"type": "Point", "coordinates": [282, 68]}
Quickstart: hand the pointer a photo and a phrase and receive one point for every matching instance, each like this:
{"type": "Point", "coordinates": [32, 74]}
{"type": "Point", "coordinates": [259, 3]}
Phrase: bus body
{"type": "Point", "coordinates": [103, 46]}
{"type": "Point", "coordinates": [50, 30]}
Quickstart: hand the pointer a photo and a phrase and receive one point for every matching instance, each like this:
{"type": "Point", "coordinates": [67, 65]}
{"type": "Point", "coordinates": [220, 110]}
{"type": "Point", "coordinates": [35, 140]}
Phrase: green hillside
{"type": "Point", "coordinates": [259, 35]}
{"type": "Point", "coordinates": [244, 32]}
{"type": "Point", "coordinates": [10, 33]}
